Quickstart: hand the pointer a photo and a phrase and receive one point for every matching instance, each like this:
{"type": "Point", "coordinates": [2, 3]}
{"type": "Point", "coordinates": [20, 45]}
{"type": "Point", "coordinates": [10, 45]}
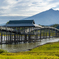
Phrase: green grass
{"type": "Point", "coordinates": [47, 51]}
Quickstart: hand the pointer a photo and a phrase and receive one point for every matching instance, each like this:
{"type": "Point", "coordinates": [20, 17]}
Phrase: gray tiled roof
{"type": "Point", "coordinates": [21, 22]}
{"type": "Point", "coordinates": [21, 25]}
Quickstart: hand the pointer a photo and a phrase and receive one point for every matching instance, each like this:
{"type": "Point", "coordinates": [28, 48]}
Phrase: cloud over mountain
{"type": "Point", "coordinates": [26, 7]}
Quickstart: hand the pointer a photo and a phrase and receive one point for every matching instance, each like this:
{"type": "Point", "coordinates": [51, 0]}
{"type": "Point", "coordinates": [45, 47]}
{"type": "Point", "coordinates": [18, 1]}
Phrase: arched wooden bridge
{"type": "Point", "coordinates": [11, 36]}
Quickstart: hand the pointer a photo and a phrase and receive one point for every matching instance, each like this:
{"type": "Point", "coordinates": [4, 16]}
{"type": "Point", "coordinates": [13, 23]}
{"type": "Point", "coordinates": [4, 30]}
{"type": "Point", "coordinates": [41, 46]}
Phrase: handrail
{"type": "Point", "coordinates": [26, 30]}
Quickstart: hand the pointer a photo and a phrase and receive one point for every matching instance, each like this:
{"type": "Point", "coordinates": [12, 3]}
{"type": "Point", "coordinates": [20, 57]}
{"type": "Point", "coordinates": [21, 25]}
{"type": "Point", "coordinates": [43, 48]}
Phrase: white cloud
{"type": "Point", "coordinates": [26, 7]}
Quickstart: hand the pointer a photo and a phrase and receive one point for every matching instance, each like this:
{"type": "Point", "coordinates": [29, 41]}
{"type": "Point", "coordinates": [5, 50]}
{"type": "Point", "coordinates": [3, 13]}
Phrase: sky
{"type": "Point", "coordinates": [26, 7]}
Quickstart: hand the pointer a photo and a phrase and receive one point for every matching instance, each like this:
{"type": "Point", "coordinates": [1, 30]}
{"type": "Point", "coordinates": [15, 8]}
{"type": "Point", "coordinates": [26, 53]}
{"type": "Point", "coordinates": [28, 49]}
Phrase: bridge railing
{"type": "Point", "coordinates": [28, 30]}
{"type": "Point", "coordinates": [32, 29]}
{"type": "Point", "coordinates": [5, 28]}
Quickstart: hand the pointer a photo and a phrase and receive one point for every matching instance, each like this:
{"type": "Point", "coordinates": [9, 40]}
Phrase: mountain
{"type": "Point", "coordinates": [5, 19]}
{"type": "Point", "coordinates": [45, 18]}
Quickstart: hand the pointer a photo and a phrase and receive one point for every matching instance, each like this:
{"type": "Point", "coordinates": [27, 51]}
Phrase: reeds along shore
{"type": "Point", "coordinates": [47, 51]}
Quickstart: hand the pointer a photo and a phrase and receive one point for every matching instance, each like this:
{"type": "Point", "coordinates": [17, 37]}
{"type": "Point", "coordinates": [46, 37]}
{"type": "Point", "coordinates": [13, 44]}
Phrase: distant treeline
{"type": "Point", "coordinates": [55, 25]}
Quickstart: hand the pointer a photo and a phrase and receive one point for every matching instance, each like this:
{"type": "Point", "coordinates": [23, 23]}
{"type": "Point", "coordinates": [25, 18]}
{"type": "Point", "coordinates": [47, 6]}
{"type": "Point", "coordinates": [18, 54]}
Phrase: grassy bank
{"type": "Point", "coordinates": [47, 51]}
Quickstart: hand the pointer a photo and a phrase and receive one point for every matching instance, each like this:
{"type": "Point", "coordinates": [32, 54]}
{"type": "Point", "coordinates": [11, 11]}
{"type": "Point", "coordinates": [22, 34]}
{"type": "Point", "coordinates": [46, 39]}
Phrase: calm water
{"type": "Point", "coordinates": [26, 46]}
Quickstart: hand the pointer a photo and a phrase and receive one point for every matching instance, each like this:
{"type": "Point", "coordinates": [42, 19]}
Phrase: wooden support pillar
{"type": "Point", "coordinates": [46, 33]}
{"type": "Point", "coordinates": [6, 37]}
{"type": "Point", "coordinates": [24, 29]}
{"type": "Point", "coordinates": [21, 38]}
{"type": "Point", "coordinates": [33, 30]}
{"type": "Point", "coordinates": [29, 38]}
{"type": "Point", "coordinates": [43, 34]}
{"type": "Point", "coordinates": [14, 38]}
{"type": "Point", "coordinates": [19, 34]}
{"type": "Point", "coordinates": [29, 29]}
{"type": "Point", "coordinates": [1, 37]}
{"type": "Point", "coordinates": [36, 36]}
{"type": "Point", "coordinates": [10, 38]}
{"type": "Point", "coordinates": [25, 39]}
{"type": "Point", "coordinates": [49, 33]}
{"type": "Point", "coordinates": [40, 33]}
{"type": "Point", "coordinates": [56, 33]}
{"type": "Point", "coordinates": [17, 37]}
{"type": "Point", "coordinates": [52, 33]}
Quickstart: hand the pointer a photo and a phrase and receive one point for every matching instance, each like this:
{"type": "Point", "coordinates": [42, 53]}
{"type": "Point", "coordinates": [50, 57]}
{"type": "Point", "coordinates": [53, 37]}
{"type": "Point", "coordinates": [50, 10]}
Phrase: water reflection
{"type": "Point", "coordinates": [26, 46]}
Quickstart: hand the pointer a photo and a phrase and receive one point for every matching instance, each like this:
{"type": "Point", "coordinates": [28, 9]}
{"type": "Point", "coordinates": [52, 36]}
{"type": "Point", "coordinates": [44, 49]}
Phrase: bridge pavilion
{"type": "Point", "coordinates": [22, 25]}
{"type": "Point", "coordinates": [25, 27]}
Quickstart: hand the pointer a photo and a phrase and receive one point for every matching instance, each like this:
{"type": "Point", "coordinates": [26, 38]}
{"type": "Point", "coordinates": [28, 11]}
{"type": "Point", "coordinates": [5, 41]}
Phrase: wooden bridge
{"type": "Point", "coordinates": [25, 33]}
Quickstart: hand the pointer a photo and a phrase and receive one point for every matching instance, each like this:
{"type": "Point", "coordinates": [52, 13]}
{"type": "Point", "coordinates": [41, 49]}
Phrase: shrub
{"type": "Point", "coordinates": [2, 51]}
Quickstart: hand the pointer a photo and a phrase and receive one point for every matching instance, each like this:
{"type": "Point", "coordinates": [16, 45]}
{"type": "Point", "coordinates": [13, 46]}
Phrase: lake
{"type": "Point", "coordinates": [25, 46]}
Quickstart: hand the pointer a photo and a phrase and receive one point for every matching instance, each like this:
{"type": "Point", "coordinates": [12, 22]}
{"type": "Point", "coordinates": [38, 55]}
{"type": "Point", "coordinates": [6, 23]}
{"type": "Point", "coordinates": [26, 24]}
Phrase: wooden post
{"type": "Point", "coordinates": [33, 30]}
{"type": "Point", "coordinates": [19, 34]}
{"type": "Point", "coordinates": [10, 38]}
{"type": "Point", "coordinates": [52, 33]}
{"type": "Point", "coordinates": [36, 37]}
{"type": "Point", "coordinates": [40, 33]}
{"type": "Point", "coordinates": [17, 37]}
{"type": "Point", "coordinates": [29, 38]}
{"type": "Point", "coordinates": [14, 38]}
{"type": "Point", "coordinates": [25, 39]}
{"type": "Point", "coordinates": [46, 33]}
{"type": "Point", "coordinates": [49, 33]}
{"type": "Point", "coordinates": [1, 37]}
{"type": "Point", "coordinates": [56, 33]}
{"type": "Point", "coordinates": [43, 34]}
{"type": "Point", "coordinates": [24, 29]}
{"type": "Point", "coordinates": [29, 29]}
{"type": "Point", "coordinates": [21, 38]}
{"type": "Point", "coordinates": [6, 37]}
